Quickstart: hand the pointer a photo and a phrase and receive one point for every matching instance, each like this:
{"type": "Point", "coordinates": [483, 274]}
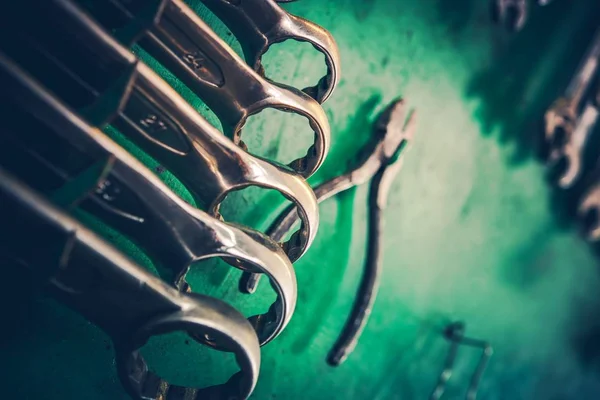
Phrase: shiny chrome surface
{"type": "Point", "coordinates": [172, 33]}
{"type": "Point", "coordinates": [126, 195]}
{"type": "Point", "coordinates": [258, 24]}
{"type": "Point", "coordinates": [381, 162]}
{"type": "Point", "coordinates": [156, 118]}
{"type": "Point", "coordinates": [130, 304]}
{"type": "Point", "coordinates": [208, 163]}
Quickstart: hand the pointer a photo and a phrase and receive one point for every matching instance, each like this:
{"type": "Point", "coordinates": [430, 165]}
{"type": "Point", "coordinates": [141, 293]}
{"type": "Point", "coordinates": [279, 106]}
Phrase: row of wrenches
{"type": "Point", "coordinates": [66, 72]}
{"type": "Point", "coordinates": [569, 127]}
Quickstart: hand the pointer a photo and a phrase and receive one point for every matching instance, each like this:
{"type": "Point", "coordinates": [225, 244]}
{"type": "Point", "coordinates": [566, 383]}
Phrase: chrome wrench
{"type": "Point", "coordinates": [258, 24]}
{"type": "Point", "coordinates": [95, 173]}
{"type": "Point", "coordinates": [124, 300]}
{"type": "Point", "coordinates": [561, 117]}
{"type": "Point", "coordinates": [172, 33]}
{"type": "Point", "coordinates": [572, 152]}
{"type": "Point", "coordinates": [156, 118]}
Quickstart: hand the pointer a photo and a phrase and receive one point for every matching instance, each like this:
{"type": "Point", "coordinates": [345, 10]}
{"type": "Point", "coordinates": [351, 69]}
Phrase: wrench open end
{"type": "Point", "coordinates": [559, 124]}
{"type": "Point", "coordinates": [566, 163]}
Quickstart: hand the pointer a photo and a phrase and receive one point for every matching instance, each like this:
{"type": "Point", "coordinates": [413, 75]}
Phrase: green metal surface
{"type": "Point", "coordinates": [473, 232]}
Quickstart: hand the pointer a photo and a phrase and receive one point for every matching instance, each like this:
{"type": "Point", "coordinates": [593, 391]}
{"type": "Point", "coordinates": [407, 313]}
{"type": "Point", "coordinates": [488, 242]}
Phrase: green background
{"type": "Point", "coordinates": [473, 231]}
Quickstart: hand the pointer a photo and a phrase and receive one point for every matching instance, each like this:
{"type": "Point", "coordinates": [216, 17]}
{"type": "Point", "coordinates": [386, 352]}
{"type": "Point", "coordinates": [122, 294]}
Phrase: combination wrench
{"type": "Point", "coordinates": [177, 37]}
{"type": "Point", "coordinates": [84, 168]}
{"type": "Point", "coordinates": [258, 24]}
{"type": "Point", "coordinates": [570, 155]}
{"type": "Point", "coordinates": [561, 118]}
{"type": "Point", "coordinates": [127, 302]}
{"type": "Point", "coordinates": [109, 85]}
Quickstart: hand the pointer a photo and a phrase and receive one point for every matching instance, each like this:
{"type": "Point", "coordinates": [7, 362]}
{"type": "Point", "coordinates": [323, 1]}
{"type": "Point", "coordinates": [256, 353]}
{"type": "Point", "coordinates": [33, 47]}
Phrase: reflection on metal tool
{"type": "Point", "coordinates": [172, 33]}
{"type": "Point", "coordinates": [382, 159]}
{"type": "Point", "coordinates": [455, 334]}
{"type": "Point", "coordinates": [152, 114]}
{"type": "Point", "coordinates": [512, 13]}
{"type": "Point", "coordinates": [589, 206]}
{"type": "Point", "coordinates": [569, 156]}
{"type": "Point", "coordinates": [561, 118]}
{"type": "Point", "coordinates": [258, 24]}
{"type": "Point", "coordinates": [126, 301]}
{"type": "Point", "coordinates": [105, 180]}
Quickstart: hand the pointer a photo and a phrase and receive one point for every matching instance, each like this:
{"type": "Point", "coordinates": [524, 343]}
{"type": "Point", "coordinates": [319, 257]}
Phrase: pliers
{"type": "Point", "coordinates": [380, 162]}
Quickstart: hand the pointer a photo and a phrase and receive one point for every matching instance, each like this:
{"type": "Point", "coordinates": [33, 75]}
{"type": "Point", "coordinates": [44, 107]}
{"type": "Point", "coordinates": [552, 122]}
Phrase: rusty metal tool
{"type": "Point", "coordinates": [381, 160]}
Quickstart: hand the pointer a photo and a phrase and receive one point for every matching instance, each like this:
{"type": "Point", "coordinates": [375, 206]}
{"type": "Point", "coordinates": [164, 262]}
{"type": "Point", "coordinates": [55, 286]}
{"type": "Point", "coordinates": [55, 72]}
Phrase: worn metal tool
{"type": "Point", "coordinates": [110, 86]}
{"type": "Point", "coordinates": [569, 156]}
{"type": "Point", "coordinates": [381, 160]}
{"type": "Point", "coordinates": [85, 168]}
{"type": "Point", "coordinates": [455, 334]}
{"type": "Point", "coordinates": [123, 299]}
{"type": "Point", "coordinates": [258, 24]}
{"type": "Point", "coordinates": [561, 118]}
{"type": "Point", "coordinates": [172, 33]}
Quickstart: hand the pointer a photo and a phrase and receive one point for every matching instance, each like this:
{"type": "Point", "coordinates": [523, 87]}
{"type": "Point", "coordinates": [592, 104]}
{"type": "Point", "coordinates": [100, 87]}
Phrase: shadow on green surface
{"type": "Point", "coordinates": [528, 72]}
{"type": "Point", "coordinates": [586, 339]}
{"type": "Point", "coordinates": [361, 125]}
{"type": "Point", "coordinates": [456, 15]}
{"type": "Point", "coordinates": [519, 84]}
{"type": "Point", "coordinates": [17, 301]}
{"type": "Point", "coordinates": [35, 340]}
{"type": "Point", "coordinates": [359, 128]}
